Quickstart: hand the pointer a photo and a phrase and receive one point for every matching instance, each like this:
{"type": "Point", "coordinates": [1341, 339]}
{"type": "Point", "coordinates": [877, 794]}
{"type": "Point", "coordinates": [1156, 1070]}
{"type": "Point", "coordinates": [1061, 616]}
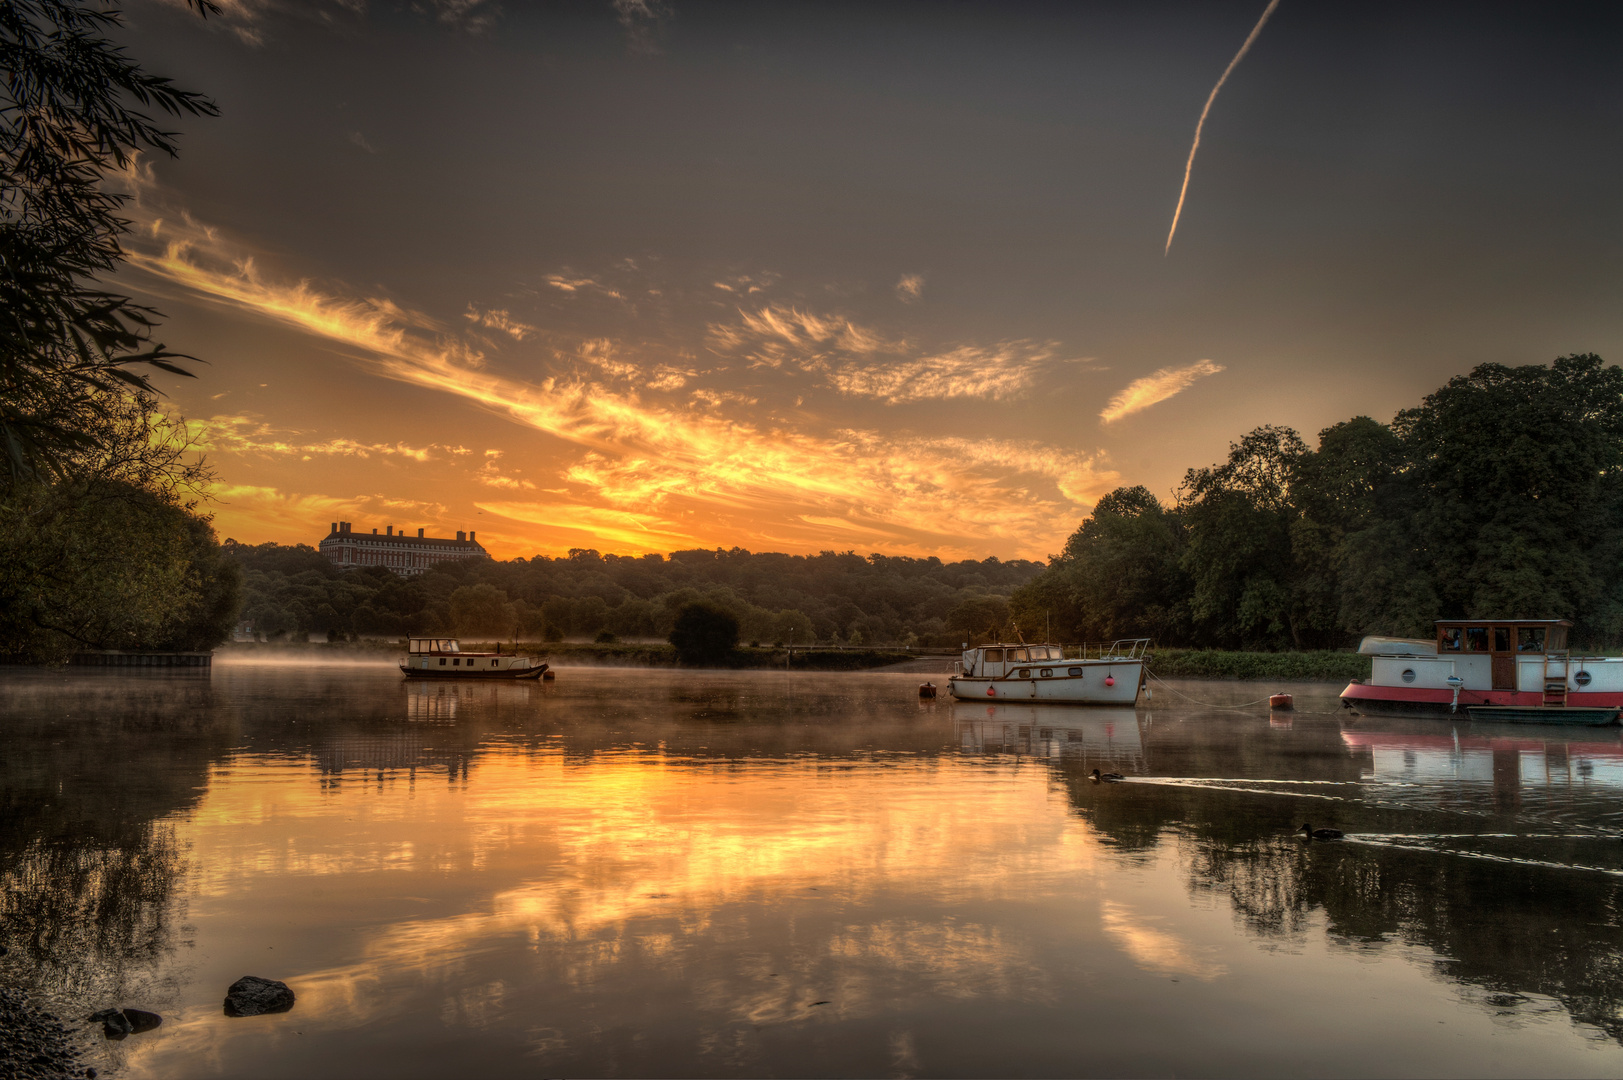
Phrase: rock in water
{"type": "Point", "coordinates": [113, 1023]}
{"type": "Point", "coordinates": [252, 996]}
{"type": "Point", "coordinates": [141, 1020]}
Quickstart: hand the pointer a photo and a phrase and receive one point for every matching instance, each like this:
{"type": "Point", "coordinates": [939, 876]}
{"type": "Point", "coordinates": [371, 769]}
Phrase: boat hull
{"type": "Point", "coordinates": [1515, 714]}
{"type": "Point", "coordinates": [1374, 700]}
{"type": "Point", "coordinates": [1089, 688]}
{"type": "Point", "coordinates": [504, 674]}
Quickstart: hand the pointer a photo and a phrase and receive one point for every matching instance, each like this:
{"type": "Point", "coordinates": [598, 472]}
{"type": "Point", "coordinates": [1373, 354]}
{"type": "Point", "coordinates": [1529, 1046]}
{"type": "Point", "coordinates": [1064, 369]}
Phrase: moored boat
{"type": "Point", "coordinates": [1109, 674]}
{"type": "Point", "coordinates": [1509, 670]}
{"type": "Point", "coordinates": [443, 658]}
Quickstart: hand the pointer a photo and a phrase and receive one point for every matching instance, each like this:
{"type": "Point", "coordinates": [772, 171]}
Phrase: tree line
{"type": "Point", "coordinates": [1498, 496]}
{"type": "Point", "coordinates": [828, 598]}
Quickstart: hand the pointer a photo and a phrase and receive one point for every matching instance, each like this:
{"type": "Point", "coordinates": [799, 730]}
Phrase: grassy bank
{"type": "Point", "coordinates": [565, 653]}
{"type": "Point", "coordinates": [1278, 667]}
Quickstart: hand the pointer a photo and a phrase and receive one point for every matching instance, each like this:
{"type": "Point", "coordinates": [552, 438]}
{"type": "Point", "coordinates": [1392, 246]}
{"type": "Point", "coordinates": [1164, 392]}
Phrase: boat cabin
{"type": "Point", "coordinates": [997, 661]}
{"type": "Point", "coordinates": [1502, 638]}
{"type": "Point", "coordinates": [429, 646]}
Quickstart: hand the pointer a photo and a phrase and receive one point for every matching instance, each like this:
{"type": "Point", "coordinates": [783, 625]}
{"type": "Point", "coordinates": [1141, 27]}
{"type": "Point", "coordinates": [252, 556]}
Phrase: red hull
{"type": "Point", "coordinates": [1412, 699]}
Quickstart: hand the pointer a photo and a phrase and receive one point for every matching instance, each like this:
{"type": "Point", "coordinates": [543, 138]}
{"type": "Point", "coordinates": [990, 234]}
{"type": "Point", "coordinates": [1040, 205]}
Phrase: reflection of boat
{"type": "Point", "coordinates": [1103, 735]}
{"type": "Point", "coordinates": [1522, 663]}
{"type": "Point", "coordinates": [439, 701]}
{"type": "Point", "coordinates": [1092, 675]}
{"type": "Point", "coordinates": [1529, 757]}
{"type": "Point", "coordinates": [442, 658]}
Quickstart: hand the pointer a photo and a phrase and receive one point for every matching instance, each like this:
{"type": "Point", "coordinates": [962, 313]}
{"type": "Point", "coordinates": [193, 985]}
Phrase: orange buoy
{"type": "Point", "coordinates": [1280, 701]}
{"type": "Point", "coordinates": [991, 691]}
{"type": "Point", "coordinates": [927, 690]}
{"type": "Point", "coordinates": [1110, 680]}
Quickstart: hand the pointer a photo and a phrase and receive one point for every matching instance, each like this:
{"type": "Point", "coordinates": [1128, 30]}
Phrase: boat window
{"type": "Point", "coordinates": [1073, 671]}
{"type": "Point", "coordinates": [1501, 639]}
{"type": "Point", "coordinates": [1025, 673]}
{"type": "Point", "coordinates": [442, 661]}
{"type": "Point", "coordinates": [1019, 654]}
{"type": "Point", "coordinates": [994, 656]}
{"type": "Point", "coordinates": [1451, 639]}
{"type": "Point", "coordinates": [1530, 639]}
{"type": "Point", "coordinates": [1476, 639]}
{"type": "Point", "coordinates": [1047, 672]}
{"type": "Point", "coordinates": [455, 663]}
{"type": "Point", "coordinates": [1583, 678]}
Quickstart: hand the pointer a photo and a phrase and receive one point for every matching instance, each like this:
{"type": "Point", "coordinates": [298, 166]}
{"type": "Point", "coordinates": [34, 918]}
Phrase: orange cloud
{"type": "Point", "coordinates": [663, 463]}
{"type": "Point", "coordinates": [1140, 394]}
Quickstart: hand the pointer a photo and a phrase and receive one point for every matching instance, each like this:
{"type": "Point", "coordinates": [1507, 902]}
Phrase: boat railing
{"type": "Point", "coordinates": [1120, 649]}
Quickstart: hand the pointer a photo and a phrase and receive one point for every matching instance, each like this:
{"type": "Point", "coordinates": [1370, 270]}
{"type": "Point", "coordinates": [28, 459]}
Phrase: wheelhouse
{"type": "Point", "coordinates": [427, 646]}
{"type": "Point", "coordinates": [1496, 637]}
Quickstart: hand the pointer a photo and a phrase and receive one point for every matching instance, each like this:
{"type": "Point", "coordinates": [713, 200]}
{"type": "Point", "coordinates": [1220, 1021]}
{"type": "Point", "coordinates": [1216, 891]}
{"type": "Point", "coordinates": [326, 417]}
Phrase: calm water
{"type": "Point", "coordinates": [672, 873]}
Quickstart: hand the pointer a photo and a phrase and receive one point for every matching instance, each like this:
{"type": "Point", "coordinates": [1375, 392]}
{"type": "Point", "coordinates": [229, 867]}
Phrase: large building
{"type": "Point", "coordinates": [405, 555]}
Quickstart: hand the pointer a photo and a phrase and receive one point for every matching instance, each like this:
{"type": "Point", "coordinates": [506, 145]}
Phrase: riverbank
{"type": "Point", "coordinates": [1323, 666]}
{"type": "Point", "coordinates": [33, 1044]}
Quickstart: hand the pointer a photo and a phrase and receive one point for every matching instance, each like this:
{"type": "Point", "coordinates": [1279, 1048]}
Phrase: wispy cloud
{"type": "Point", "coordinates": [910, 288]}
{"type": "Point", "coordinates": [1142, 393]}
{"type": "Point", "coordinates": [359, 140]}
{"type": "Point", "coordinates": [251, 435]}
{"type": "Point", "coordinates": [576, 283]}
{"type": "Point", "coordinates": [469, 16]}
{"type": "Point", "coordinates": [499, 319]}
{"type": "Point", "coordinates": [778, 331]}
{"type": "Point", "coordinates": [643, 20]}
{"type": "Point", "coordinates": [992, 373]}
{"type": "Point", "coordinates": [858, 361]}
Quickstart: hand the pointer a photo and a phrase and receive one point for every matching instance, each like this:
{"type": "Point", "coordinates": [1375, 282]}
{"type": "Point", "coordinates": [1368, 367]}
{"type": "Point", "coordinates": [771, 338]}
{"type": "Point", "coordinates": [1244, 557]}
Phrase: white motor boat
{"type": "Point", "coordinates": [1110, 674]}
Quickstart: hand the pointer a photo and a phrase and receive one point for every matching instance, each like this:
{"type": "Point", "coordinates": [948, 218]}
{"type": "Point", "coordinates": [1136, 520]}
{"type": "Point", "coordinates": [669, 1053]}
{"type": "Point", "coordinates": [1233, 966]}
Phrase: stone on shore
{"type": "Point", "coordinates": [141, 1020]}
{"type": "Point", "coordinates": [113, 1023]}
{"type": "Point", "coordinates": [253, 996]}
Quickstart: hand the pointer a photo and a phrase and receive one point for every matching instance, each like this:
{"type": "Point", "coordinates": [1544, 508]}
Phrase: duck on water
{"type": "Point", "coordinates": [1319, 834]}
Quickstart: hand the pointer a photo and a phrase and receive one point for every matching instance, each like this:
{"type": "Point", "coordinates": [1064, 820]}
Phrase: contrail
{"type": "Point", "coordinates": [1255, 30]}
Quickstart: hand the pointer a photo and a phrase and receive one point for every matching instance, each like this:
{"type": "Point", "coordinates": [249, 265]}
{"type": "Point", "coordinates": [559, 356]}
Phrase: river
{"type": "Point", "coordinates": [673, 873]}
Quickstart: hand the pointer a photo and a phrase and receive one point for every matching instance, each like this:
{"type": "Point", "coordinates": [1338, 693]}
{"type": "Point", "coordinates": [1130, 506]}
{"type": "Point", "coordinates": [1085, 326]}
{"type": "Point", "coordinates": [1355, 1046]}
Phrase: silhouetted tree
{"type": "Point", "coordinates": [704, 634]}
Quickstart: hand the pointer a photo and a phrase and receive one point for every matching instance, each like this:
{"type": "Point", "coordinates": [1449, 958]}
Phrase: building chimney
{"type": "Point", "coordinates": [374, 532]}
{"type": "Point", "coordinates": [461, 536]}
{"type": "Point", "coordinates": [390, 532]}
{"type": "Point", "coordinates": [333, 527]}
{"type": "Point", "coordinates": [419, 534]}
{"type": "Point", "coordinates": [471, 535]}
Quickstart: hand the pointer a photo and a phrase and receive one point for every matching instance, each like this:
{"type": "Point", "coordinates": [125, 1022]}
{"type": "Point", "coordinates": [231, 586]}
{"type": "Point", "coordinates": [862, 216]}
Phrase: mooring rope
{"type": "Point", "coordinates": [1192, 701]}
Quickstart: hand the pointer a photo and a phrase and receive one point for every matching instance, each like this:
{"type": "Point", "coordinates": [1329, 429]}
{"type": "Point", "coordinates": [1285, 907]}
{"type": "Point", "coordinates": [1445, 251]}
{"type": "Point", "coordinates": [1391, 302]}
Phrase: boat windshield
{"type": "Point", "coordinates": [1476, 639]}
{"type": "Point", "coordinates": [1530, 639]}
{"type": "Point", "coordinates": [994, 656]}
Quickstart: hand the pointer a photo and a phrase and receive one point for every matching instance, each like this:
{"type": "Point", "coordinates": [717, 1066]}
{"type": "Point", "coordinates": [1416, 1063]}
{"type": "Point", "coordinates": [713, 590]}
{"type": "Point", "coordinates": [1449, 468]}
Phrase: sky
{"type": "Point", "coordinates": [644, 276]}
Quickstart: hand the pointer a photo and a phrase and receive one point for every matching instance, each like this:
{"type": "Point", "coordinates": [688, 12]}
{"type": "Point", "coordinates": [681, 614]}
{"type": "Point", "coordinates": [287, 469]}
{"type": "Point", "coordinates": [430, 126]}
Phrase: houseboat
{"type": "Point", "coordinates": [1090, 675]}
{"type": "Point", "coordinates": [1500, 670]}
{"type": "Point", "coordinates": [443, 658]}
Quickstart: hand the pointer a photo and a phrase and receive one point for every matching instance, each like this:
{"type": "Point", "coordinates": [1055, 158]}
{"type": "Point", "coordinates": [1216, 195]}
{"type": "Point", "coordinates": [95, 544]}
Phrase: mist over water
{"type": "Point", "coordinates": [748, 873]}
